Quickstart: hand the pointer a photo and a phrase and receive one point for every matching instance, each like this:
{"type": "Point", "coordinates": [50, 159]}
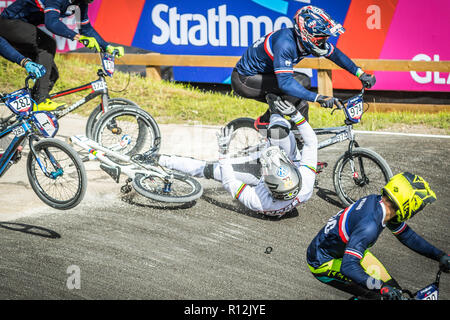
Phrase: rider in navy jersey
{"type": "Point", "coordinates": [268, 65]}
{"type": "Point", "coordinates": [8, 52]}
{"type": "Point", "coordinates": [339, 256]}
{"type": "Point", "coordinates": [18, 25]}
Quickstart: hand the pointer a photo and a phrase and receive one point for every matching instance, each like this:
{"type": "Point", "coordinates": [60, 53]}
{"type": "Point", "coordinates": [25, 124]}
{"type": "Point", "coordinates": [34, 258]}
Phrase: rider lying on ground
{"type": "Point", "coordinates": [282, 179]}
{"type": "Point", "coordinates": [339, 255]}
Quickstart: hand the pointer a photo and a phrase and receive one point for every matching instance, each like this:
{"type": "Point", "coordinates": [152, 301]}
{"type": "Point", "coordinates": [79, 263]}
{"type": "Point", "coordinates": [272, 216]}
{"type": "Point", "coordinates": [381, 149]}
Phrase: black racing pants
{"type": "Point", "coordinates": [258, 86]}
{"type": "Point", "coordinates": [35, 44]}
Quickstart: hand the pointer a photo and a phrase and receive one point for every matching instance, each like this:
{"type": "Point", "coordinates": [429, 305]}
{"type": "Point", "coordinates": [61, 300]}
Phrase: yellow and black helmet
{"type": "Point", "coordinates": [410, 193]}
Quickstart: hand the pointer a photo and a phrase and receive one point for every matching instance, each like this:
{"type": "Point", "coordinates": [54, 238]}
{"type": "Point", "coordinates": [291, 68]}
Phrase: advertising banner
{"type": "Point", "coordinates": [375, 29]}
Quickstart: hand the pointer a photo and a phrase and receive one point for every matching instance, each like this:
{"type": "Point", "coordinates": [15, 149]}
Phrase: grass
{"type": "Point", "coordinates": [171, 102]}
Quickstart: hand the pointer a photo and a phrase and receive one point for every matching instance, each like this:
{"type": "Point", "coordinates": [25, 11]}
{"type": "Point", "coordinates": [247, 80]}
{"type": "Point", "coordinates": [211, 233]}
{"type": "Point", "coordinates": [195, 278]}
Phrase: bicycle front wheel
{"type": "Point", "coordinates": [182, 188]}
{"type": "Point", "coordinates": [65, 186]}
{"type": "Point", "coordinates": [358, 174]}
{"type": "Point", "coordinates": [127, 130]}
{"type": "Point", "coordinates": [98, 112]}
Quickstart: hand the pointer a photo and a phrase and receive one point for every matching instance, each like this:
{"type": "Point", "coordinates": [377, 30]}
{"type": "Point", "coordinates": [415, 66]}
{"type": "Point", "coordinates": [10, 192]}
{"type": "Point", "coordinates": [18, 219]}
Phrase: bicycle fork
{"type": "Point", "coordinates": [57, 167]}
{"type": "Point", "coordinates": [360, 179]}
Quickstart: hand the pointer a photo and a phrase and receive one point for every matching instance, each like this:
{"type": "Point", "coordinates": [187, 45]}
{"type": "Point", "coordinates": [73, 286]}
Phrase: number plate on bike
{"type": "Point", "coordinates": [46, 123]}
{"type": "Point", "coordinates": [354, 109]}
{"type": "Point", "coordinates": [19, 102]}
{"type": "Point", "coordinates": [429, 293]}
{"type": "Point", "coordinates": [108, 64]}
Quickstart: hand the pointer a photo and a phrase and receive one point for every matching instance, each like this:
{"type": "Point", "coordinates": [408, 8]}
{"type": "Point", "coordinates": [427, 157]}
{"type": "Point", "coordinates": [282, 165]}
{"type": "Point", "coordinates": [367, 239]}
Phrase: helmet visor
{"type": "Point", "coordinates": [319, 41]}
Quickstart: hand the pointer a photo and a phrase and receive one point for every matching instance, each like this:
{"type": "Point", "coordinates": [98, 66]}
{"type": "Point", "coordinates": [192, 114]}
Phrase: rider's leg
{"type": "Point", "coordinates": [247, 172]}
{"type": "Point", "coordinates": [35, 44]}
{"type": "Point", "coordinates": [329, 273]}
{"type": "Point", "coordinates": [375, 269]}
{"type": "Point", "coordinates": [279, 134]}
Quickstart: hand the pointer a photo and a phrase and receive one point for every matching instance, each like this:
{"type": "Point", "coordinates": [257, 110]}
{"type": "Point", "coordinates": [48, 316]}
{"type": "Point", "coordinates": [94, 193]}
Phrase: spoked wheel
{"type": "Point", "coordinates": [359, 174]}
{"type": "Point", "coordinates": [66, 185]}
{"type": "Point", "coordinates": [179, 189]}
{"type": "Point", "coordinates": [246, 139]}
{"type": "Point", "coordinates": [127, 130]}
{"type": "Point", "coordinates": [98, 112]}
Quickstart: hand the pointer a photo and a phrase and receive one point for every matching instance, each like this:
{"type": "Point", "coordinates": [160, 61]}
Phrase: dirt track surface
{"type": "Point", "coordinates": [127, 247]}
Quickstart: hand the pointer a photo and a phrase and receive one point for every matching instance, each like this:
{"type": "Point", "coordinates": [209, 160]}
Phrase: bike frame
{"type": "Point", "coordinates": [101, 153]}
{"type": "Point", "coordinates": [22, 130]}
{"type": "Point", "coordinates": [98, 87]}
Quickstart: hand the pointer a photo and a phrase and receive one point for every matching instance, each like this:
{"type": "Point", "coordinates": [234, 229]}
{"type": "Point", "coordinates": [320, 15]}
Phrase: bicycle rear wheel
{"type": "Point", "coordinates": [183, 188]}
{"type": "Point", "coordinates": [67, 185]}
{"type": "Point", "coordinates": [371, 172]}
{"type": "Point", "coordinates": [98, 112]}
{"type": "Point", "coordinates": [127, 130]}
{"type": "Point", "coordinates": [246, 139]}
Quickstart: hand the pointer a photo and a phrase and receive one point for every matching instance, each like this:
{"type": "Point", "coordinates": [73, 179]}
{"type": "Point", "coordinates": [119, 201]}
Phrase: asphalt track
{"type": "Point", "coordinates": [126, 247]}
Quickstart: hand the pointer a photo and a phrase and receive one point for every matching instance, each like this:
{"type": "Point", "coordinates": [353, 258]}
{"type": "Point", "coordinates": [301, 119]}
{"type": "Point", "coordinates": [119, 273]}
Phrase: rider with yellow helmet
{"type": "Point", "coordinates": [339, 255]}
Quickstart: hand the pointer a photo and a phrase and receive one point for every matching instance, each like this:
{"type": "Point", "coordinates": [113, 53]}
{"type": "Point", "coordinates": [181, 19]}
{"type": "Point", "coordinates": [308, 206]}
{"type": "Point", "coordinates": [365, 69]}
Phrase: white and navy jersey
{"type": "Point", "coordinates": [278, 52]}
{"type": "Point", "coordinates": [349, 233]}
{"type": "Point", "coordinates": [258, 197]}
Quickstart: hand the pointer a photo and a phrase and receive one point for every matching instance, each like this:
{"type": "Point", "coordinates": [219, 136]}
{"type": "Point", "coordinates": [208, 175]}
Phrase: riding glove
{"type": "Point", "coordinates": [390, 293]}
{"type": "Point", "coordinates": [34, 69]}
{"type": "Point", "coordinates": [89, 42]}
{"type": "Point", "coordinates": [120, 50]}
{"type": "Point", "coordinates": [444, 263]}
{"type": "Point", "coordinates": [326, 102]}
{"type": "Point", "coordinates": [368, 80]}
{"type": "Point", "coordinates": [224, 138]}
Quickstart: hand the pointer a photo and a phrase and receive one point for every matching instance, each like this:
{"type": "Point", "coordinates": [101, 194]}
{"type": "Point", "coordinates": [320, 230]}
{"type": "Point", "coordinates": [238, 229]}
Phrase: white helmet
{"type": "Point", "coordinates": [279, 174]}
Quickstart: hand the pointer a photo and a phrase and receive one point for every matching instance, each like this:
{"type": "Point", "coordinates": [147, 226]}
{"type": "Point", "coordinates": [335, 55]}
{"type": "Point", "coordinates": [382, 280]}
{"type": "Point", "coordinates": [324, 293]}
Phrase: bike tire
{"type": "Point", "coordinates": [73, 179]}
{"type": "Point", "coordinates": [98, 112]}
{"type": "Point", "coordinates": [135, 123]}
{"type": "Point", "coordinates": [195, 189]}
{"type": "Point", "coordinates": [372, 163]}
{"type": "Point", "coordinates": [245, 139]}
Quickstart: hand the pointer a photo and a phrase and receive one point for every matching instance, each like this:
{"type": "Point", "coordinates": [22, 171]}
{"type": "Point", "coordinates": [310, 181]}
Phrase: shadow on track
{"type": "Point", "coordinates": [30, 229]}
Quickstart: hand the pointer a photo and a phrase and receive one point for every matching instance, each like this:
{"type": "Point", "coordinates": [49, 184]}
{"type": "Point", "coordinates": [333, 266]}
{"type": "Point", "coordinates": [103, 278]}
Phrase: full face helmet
{"type": "Point", "coordinates": [280, 175]}
{"type": "Point", "coordinates": [410, 193]}
{"type": "Point", "coordinates": [313, 27]}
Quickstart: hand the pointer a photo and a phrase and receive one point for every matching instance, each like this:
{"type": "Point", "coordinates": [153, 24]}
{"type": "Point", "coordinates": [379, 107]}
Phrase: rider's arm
{"type": "Point", "coordinates": [284, 70]}
{"type": "Point", "coordinates": [412, 240]}
{"type": "Point", "coordinates": [87, 29]}
{"type": "Point", "coordinates": [8, 51]}
{"type": "Point", "coordinates": [360, 239]}
{"type": "Point", "coordinates": [341, 59]}
{"type": "Point", "coordinates": [52, 13]}
{"type": "Point", "coordinates": [244, 193]}
{"type": "Point", "coordinates": [309, 151]}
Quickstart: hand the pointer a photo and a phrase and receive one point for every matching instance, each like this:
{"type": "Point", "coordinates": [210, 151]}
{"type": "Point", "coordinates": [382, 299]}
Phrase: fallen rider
{"type": "Point", "coordinates": [278, 181]}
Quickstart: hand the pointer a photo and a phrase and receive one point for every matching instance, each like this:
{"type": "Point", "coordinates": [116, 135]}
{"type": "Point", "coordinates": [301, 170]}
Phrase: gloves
{"type": "Point", "coordinates": [89, 42]}
{"type": "Point", "coordinates": [368, 80]}
{"type": "Point", "coordinates": [444, 263]}
{"type": "Point", "coordinates": [120, 50]}
{"type": "Point", "coordinates": [390, 293]}
{"type": "Point", "coordinates": [326, 102]}
{"type": "Point", "coordinates": [34, 69]}
{"type": "Point", "coordinates": [224, 138]}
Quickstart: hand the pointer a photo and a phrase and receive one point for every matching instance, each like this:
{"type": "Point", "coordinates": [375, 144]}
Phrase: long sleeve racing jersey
{"type": "Point", "coordinates": [352, 231]}
{"type": "Point", "coordinates": [49, 12]}
{"type": "Point", "coordinates": [278, 52]}
{"type": "Point", "coordinates": [259, 198]}
{"type": "Point", "coordinates": [8, 52]}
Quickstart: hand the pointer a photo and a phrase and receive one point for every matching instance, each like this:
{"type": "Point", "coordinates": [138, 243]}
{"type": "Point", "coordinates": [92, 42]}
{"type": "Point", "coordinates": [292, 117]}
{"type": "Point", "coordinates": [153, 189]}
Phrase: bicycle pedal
{"type": "Point", "coordinates": [321, 166]}
{"type": "Point", "coordinates": [113, 172]}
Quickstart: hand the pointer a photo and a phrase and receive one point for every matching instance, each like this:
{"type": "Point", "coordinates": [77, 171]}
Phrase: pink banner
{"type": "Point", "coordinates": [418, 31]}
